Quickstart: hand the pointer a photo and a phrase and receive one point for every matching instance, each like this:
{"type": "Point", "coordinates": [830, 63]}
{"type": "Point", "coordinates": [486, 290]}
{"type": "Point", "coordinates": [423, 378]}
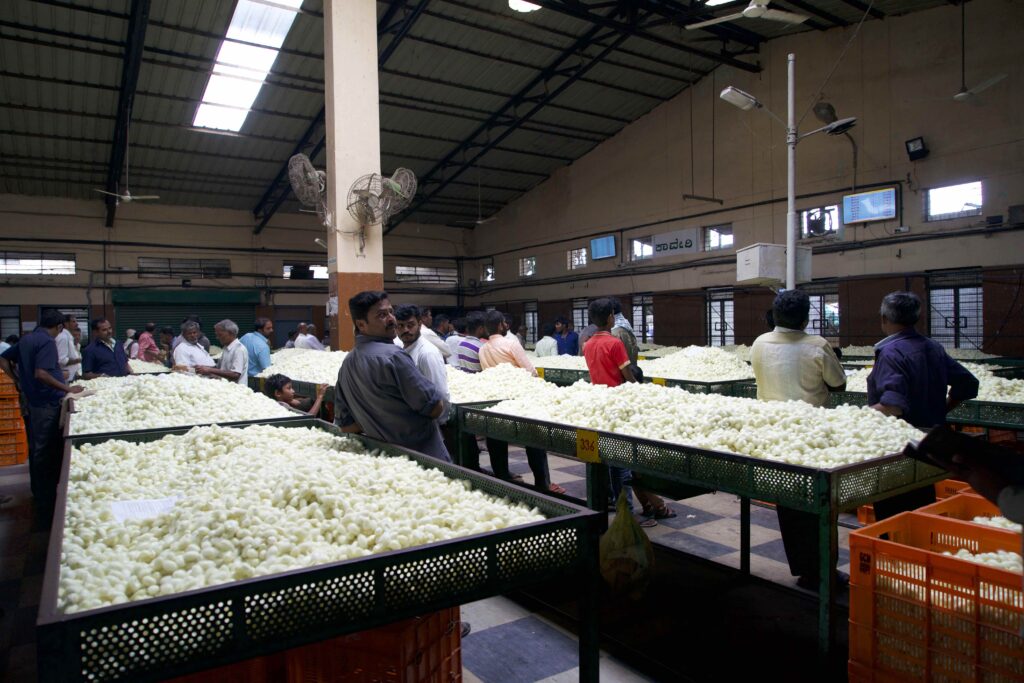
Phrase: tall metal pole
{"type": "Point", "coordinates": [791, 176]}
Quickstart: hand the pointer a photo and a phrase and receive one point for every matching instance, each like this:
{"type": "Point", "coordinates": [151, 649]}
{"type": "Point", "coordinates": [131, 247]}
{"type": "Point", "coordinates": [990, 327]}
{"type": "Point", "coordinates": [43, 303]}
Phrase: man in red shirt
{"type": "Point", "coordinates": [608, 364]}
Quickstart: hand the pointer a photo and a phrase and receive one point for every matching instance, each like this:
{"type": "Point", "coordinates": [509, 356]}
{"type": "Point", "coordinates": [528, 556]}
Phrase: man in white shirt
{"type": "Point", "coordinates": [791, 365]}
{"type": "Point", "coordinates": [546, 346]}
{"type": "Point", "coordinates": [189, 354]}
{"type": "Point", "coordinates": [68, 356]}
{"type": "Point", "coordinates": [427, 330]}
{"type": "Point", "coordinates": [307, 338]}
{"type": "Point", "coordinates": [424, 355]}
{"type": "Point", "coordinates": [234, 359]}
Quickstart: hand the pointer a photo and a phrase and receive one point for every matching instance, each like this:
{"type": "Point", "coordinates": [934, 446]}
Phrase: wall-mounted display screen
{"type": "Point", "coordinates": [877, 205]}
{"type": "Point", "coordinates": [602, 247]}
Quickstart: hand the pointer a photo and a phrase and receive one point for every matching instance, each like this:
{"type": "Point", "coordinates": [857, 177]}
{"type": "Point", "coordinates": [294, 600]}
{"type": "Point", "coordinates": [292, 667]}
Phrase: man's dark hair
{"type": "Point", "coordinates": [474, 321]}
{"type": "Point", "coordinates": [901, 308]}
{"type": "Point", "coordinates": [547, 330]}
{"type": "Point", "coordinates": [460, 325]}
{"type": "Point", "coordinates": [151, 327]}
{"type": "Point", "coordinates": [440, 319]}
{"type": "Point", "coordinates": [359, 306]}
{"type": "Point", "coordinates": [561, 319]}
{"type": "Point", "coordinates": [599, 310]}
{"type": "Point", "coordinates": [404, 312]}
{"type": "Point", "coordinates": [260, 323]}
{"type": "Point", "coordinates": [275, 383]}
{"type": "Point", "coordinates": [493, 321]}
{"type": "Point", "coordinates": [51, 317]}
{"type": "Point", "coordinates": [167, 329]}
{"type": "Point", "coordinates": [791, 309]}
{"type": "Point", "coordinates": [616, 305]}
{"type": "Point", "coordinates": [508, 318]}
{"type": "Point", "coordinates": [96, 322]}
{"type": "Point", "coordinates": [769, 317]}
{"type": "Point", "coordinates": [68, 317]}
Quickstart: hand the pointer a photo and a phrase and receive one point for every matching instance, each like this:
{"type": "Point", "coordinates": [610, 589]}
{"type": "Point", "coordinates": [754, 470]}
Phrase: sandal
{"type": "Point", "coordinates": [661, 512]}
{"type": "Point", "coordinates": [645, 522]}
{"type": "Point", "coordinates": [555, 488]}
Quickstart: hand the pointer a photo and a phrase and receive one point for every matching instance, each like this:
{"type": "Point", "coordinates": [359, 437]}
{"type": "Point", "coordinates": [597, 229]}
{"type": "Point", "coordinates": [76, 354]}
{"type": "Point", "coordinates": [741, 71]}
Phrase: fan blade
{"type": "Point", "coordinates": [712, 22]}
{"type": "Point", "coordinates": [136, 197]}
{"type": "Point", "coordinates": [785, 17]}
{"type": "Point", "coordinates": [486, 220]}
{"type": "Point", "coordinates": [985, 85]}
{"type": "Point", "coordinates": [112, 194]}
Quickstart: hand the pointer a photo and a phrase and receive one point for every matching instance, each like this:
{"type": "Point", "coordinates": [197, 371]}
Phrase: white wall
{"type": "Point", "coordinates": [898, 78]}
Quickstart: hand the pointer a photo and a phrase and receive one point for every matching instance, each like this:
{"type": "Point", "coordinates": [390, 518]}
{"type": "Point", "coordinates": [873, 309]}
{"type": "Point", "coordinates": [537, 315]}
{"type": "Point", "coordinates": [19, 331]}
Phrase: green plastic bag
{"type": "Point", "coordinates": [627, 558]}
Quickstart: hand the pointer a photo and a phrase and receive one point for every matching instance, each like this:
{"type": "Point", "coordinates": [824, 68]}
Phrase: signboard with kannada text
{"type": "Point", "coordinates": [676, 242]}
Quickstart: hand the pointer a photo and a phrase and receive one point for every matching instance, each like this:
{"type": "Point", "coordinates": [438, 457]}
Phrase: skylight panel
{"type": "Point", "coordinates": [257, 30]}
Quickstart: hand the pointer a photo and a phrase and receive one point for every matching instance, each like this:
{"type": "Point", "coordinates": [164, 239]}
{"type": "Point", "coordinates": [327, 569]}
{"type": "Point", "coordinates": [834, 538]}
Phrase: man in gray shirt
{"type": "Point", "coordinates": [380, 392]}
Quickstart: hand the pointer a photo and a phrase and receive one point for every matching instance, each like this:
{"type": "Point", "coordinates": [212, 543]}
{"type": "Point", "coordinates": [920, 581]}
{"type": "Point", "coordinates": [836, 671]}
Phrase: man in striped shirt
{"type": "Point", "coordinates": [469, 347]}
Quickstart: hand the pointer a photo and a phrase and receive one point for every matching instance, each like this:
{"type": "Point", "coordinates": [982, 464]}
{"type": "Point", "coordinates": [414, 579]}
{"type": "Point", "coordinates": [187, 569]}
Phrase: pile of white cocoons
{"type": "Point", "coordinates": [238, 503]}
{"type": "Point", "coordinates": [306, 365]}
{"type": "Point", "coordinates": [786, 431]}
{"type": "Point", "coordinates": [494, 384]}
{"type": "Point", "coordinates": [169, 400]}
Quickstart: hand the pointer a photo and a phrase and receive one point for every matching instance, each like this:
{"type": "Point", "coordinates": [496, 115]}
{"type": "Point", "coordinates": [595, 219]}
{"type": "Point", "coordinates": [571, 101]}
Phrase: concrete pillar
{"type": "Point", "coordinates": [353, 149]}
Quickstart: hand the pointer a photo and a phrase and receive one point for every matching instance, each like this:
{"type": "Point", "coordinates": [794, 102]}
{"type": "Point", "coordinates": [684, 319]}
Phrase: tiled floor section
{"type": "Point", "coordinates": [707, 525]}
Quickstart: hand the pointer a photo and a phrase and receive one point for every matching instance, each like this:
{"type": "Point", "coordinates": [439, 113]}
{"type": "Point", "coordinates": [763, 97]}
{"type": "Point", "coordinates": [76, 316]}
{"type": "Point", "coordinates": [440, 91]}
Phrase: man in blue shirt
{"type": "Point", "coordinates": [257, 343]}
{"type": "Point", "coordinates": [910, 380]}
{"type": "Point", "coordinates": [104, 357]}
{"type": "Point", "coordinates": [380, 391]}
{"type": "Point", "coordinates": [567, 340]}
{"type": "Point", "coordinates": [42, 382]}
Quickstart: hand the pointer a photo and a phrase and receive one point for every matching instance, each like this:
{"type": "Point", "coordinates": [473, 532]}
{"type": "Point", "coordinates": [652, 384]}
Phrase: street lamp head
{"type": "Point", "coordinates": [841, 126]}
{"type": "Point", "coordinates": [738, 98]}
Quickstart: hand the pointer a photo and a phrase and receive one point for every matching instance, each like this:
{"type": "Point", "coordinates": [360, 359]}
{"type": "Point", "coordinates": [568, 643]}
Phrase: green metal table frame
{"type": "Point", "coordinates": [821, 492]}
{"type": "Point", "coordinates": [154, 639]}
{"type": "Point", "coordinates": [564, 377]}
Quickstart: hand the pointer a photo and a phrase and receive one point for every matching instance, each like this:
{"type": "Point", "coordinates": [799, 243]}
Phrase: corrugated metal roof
{"type": "Point", "coordinates": [458, 63]}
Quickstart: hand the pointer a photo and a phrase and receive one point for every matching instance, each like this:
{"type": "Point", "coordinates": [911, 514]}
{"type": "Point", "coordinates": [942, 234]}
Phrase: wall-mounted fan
{"type": "Point", "coordinates": [309, 186]}
{"type": "Point", "coordinates": [757, 9]}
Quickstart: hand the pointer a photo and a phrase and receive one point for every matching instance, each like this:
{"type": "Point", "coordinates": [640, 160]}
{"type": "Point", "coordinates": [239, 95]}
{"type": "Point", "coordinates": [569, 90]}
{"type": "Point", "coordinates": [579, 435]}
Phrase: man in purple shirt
{"type": "Point", "coordinates": [910, 380]}
{"type": "Point", "coordinates": [42, 382]}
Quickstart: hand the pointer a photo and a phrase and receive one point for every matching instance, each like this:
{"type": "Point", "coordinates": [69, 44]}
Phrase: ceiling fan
{"type": "Point", "coordinates": [127, 197]}
{"type": "Point", "coordinates": [480, 220]}
{"type": "Point", "coordinates": [757, 9]}
{"type": "Point", "coordinates": [966, 94]}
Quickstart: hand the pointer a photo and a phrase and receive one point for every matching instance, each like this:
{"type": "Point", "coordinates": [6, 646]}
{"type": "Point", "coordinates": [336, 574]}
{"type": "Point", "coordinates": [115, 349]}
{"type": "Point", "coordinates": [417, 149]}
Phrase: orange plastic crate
{"type": "Point", "coordinates": [10, 408]}
{"type": "Point", "coordinates": [14, 435]}
{"type": "Point", "coordinates": [255, 670]}
{"type": "Point", "coordinates": [918, 615]}
{"type": "Point", "coordinates": [965, 506]}
{"type": "Point", "coordinates": [951, 487]}
{"type": "Point", "coordinates": [15, 450]}
{"type": "Point", "coordinates": [423, 649]}
{"type": "Point", "coordinates": [866, 514]}
{"type": "Point", "coordinates": [8, 389]}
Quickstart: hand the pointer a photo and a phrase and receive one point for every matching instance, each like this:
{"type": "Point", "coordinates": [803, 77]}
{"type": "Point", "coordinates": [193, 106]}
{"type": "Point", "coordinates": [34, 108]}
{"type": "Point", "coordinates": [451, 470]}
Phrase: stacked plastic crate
{"type": "Point", "coordinates": [920, 613]}
{"type": "Point", "coordinates": [13, 441]}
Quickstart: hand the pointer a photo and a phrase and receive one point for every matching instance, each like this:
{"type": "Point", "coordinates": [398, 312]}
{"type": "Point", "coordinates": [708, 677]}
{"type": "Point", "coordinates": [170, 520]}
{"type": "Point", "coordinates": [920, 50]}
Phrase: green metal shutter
{"type": "Point", "coordinates": [135, 316]}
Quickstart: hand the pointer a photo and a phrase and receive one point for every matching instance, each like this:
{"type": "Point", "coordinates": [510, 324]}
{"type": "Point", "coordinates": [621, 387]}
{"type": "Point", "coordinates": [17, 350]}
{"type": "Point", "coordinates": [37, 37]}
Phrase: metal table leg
{"type": "Point", "coordinates": [828, 543]}
{"type": "Point", "coordinates": [744, 534]}
{"type": "Point", "coordinates": [589, 613]}
{"type": "Point", "coordinates": [597, 490]}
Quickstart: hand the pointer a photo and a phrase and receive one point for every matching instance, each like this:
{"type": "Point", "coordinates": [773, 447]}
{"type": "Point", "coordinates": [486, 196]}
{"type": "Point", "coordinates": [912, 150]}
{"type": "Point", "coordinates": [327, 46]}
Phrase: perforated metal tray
{"type": "Point", "coordinates": [795, 486]}
{"type": "Point", "coordinates": [173, 635]}
{"type": "Point", "coordinates": [565, 377]}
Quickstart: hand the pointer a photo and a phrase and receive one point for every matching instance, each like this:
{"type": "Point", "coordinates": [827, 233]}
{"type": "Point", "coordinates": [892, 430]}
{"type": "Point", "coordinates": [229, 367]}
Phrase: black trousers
{"type": "Point", "coordinates": [45, 455]}
{"type": "Point", "coordinates": [800, 529]}
{"type": "Point", "coordinates": [498, 450]}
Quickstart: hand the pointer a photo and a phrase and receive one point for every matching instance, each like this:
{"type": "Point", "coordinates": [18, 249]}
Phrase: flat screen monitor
{"type": "Point", "coordinates": [602, 247]}
{"type": "Point", "coordinates": [876, 205]}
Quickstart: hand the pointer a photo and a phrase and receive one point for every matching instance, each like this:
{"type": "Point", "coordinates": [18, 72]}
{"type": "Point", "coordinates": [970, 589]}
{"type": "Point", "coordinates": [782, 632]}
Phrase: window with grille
{"type": "Point", "coordinates": [427, 275]}
{"type": "Point", "coordinates": [956, 307]}
{"type": "Point", "coordinates": [580, 314]}
{"type": "Point", "coordinates": [821, 220]}
{"type": "Point", "coordinates": [953, 201]}
{"type": "Point", "coordinates": [643, 318]}
{"type": "Point", "coordinates": [304, 271]}
{"type": "Point", "coordinates": [531, 321]}
{"type": "Point", "coordinates": [168, 268]}
{"type": "Point", "coordinates": [576, 258]}
{"type": "Point", "coordinates": [528, 266]}
{"type": "Point", "coordinates": [721, 330]}
{"type": "Point", "coordinates": [641, 248]}
{"type": "Point", "coordinates": [487, 273]}
{"type": "Point", "coordinates": [81, 314]}
{"type": "Point", "coordinates": [10, 321]}
{"type": "Point", "coordinates": [36, 263]}
{"type": "Point", "coordinates": [824, 316]}
{"type": "Point", "coordinates": [718, 237]}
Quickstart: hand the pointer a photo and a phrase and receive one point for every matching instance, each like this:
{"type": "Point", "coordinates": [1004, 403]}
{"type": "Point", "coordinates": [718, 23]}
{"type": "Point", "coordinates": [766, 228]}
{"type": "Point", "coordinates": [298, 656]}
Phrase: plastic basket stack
{"type": "Point", "coordinates": [13, 441]}
{"type": "Point", "coordinates": [918, 614]}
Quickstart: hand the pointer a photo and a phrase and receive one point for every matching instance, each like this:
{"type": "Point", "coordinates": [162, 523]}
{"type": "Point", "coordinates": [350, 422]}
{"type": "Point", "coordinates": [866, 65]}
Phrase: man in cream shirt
{"type": "Point", "coordinates": [234, 359]}
{"type": "Point", "coordinates": [791, 365]}
{"type": "Point", "coordinates": [189, 354]}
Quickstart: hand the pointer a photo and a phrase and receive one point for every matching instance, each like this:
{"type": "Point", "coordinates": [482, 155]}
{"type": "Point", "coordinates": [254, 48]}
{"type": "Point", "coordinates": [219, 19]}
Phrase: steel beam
{"type": "Point", "coordinates": [865, 7]}
{"type": "Point", "coordinates": [820, 13]}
